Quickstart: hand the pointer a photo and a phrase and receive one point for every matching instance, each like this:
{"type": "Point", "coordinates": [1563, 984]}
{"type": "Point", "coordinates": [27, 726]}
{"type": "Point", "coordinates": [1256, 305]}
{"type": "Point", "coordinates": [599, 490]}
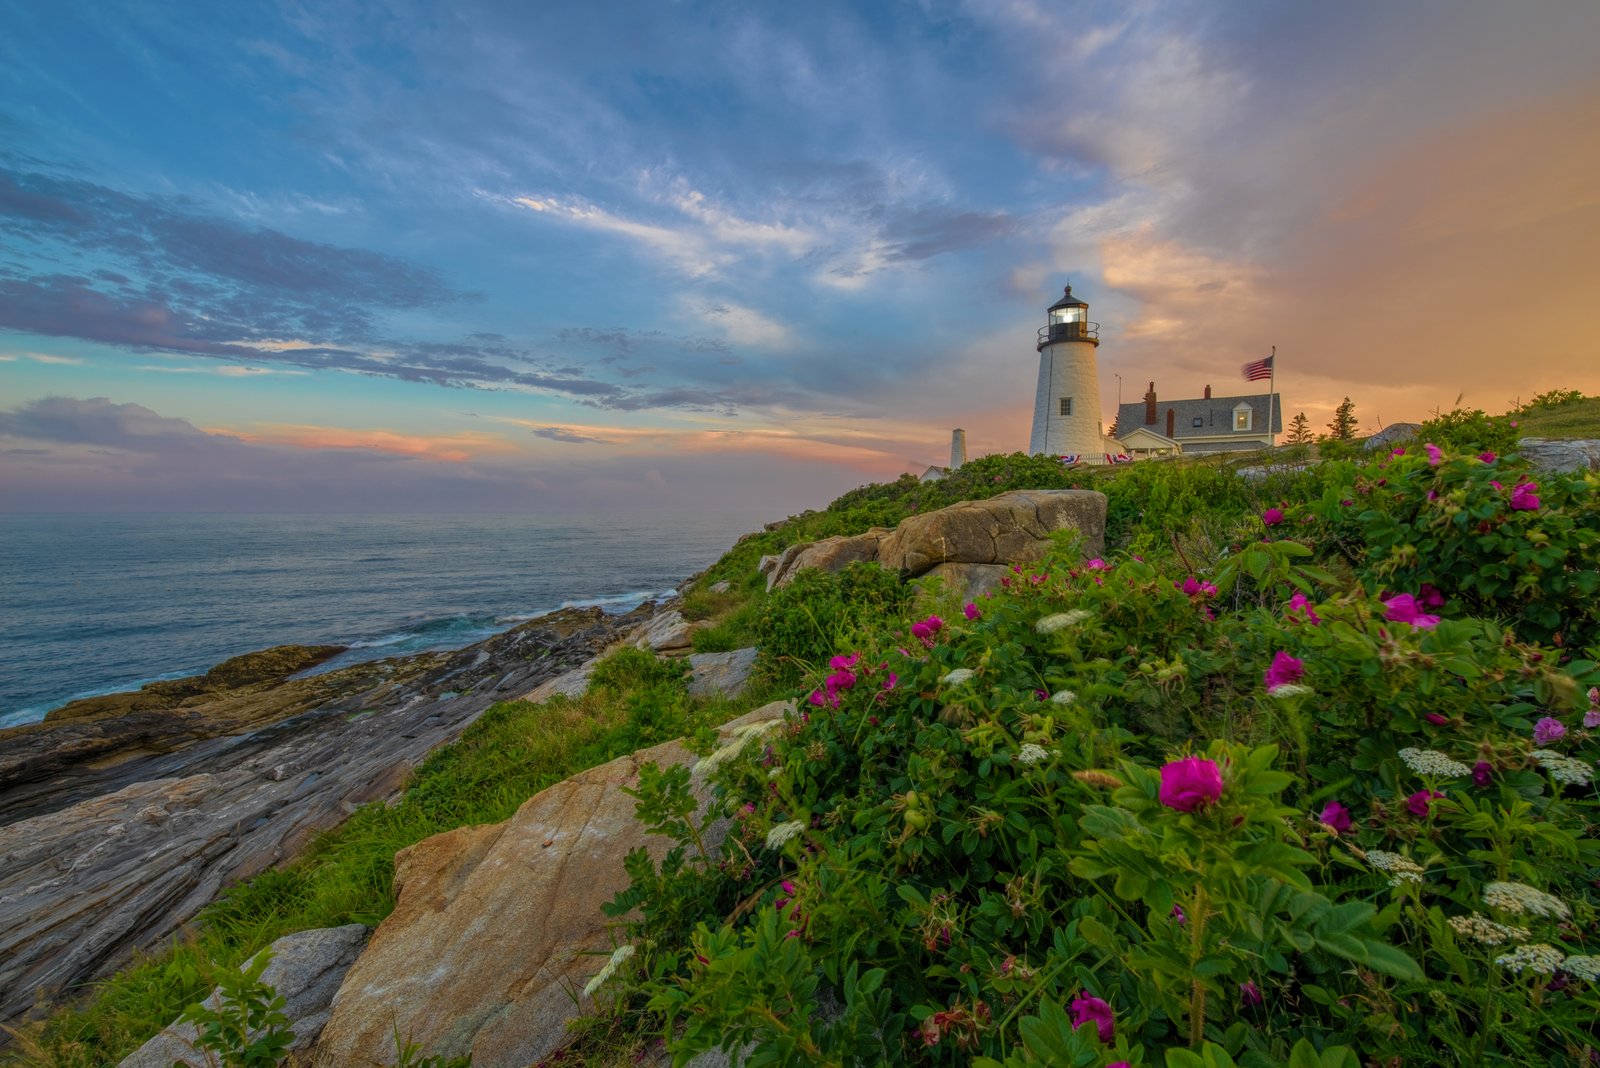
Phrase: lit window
{"type": "Point", "coordinates": [1066, 405]}
{"type": "Point", "coordinates": [1241, 419]}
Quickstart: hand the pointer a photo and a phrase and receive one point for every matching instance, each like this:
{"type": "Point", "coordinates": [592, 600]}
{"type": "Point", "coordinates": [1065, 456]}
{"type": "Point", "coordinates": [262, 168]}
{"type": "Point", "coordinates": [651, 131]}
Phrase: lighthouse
{"type": "Point", "coordinates": [1066, 406]}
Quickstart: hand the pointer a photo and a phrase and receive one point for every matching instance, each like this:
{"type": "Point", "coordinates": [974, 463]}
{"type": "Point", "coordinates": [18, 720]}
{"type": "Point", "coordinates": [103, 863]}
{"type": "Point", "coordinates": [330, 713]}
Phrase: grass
{"type": "Point", "coordinates": [511, 753]}
{"type": "Point", "coordinates": [1574, 419]}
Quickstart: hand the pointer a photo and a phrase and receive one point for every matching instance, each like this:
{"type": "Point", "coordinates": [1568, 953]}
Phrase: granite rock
{"type": "Point", "coordinates": [721, 674]}
{"type": "Point", "coordinates": [306, 969]}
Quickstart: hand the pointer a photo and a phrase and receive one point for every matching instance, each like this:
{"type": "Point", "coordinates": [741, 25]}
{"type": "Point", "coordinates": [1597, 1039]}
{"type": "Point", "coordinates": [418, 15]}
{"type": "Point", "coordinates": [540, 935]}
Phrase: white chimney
{"type": "Point", "coordinates": [958, 448]}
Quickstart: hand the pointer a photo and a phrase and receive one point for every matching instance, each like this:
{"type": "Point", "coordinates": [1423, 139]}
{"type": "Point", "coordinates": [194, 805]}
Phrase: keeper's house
{"type": "Point", "coordinates": [1206, 424]}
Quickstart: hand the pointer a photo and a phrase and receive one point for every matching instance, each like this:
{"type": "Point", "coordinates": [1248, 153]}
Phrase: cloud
{"type": "Point", "coordinates": [40, 357]}
{"type": "Point", "coordinates": [745, 326]}
{"type": "Point", "coordinates": [562, 434]}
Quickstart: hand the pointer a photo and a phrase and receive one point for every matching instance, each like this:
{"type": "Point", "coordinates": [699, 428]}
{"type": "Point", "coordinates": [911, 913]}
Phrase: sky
{"type": "Point", "coordinates": [494, 256]}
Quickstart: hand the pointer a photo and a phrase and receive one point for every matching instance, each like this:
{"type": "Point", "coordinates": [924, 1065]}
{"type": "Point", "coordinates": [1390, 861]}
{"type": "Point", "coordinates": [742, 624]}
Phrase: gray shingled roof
{"type": "Point", "coordinates": [1215, 415]}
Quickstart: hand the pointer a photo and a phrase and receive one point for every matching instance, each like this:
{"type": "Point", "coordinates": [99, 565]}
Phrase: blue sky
{"type": "Point", "coordinates": [508, 257]}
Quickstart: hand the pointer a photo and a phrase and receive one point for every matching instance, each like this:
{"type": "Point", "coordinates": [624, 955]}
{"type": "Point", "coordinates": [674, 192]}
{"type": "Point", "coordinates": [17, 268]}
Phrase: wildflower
{"type": "Point", "coordinates": [1249, 995]}
{"type": "Point", "coordinates": [1585, 968]}
{"type": "Point", "coordinates": [1482, 773]}
{"type": "Point", "coordinates": [1521, 898]}
{"type": "Point", "coordinates": [816, 697]}
{"type": "Point", "coordinates": [1591, 718]}
{"type": "Point", "coordinates": [1398, 451]}
{"type": "Point", "coordinates": [1486, 931]}
{"type": "Point", "coordinates": [1548, 730]}
{"type": "Point", "coordinates": [1031, 754]}
{"type": "Point", "coordinates": [890, 681]}
{"type": "Point", "coordinates": [1433, 762]}
{"type": "Point", "coordinates": [1178, 914]}
{"type": "Point", "coordinates": [1041, 695]}
{"type": "Point", "coordinates": [1193, 587]}
{"type": "Point", "coordinates": [1523, 499]}
{"type": "Point", "coordinates": [1190, 783]}
{"type": "Point", "coordinates": [1336, 816]}
{"type": "Point", "coordinates": [1290, 689]}
{"type": "Point", "coordinates": [1436, 719]}
{"type": "Point", "coordinates": [1063, 697]}
{"type": "Point", "coordinates": [782, 832]}
{"type": "Point", "coordinates": [957, 676]}
{"type": "Point", "coordinates": [1563, 768]}
{"type": "Point", "coordinates": [845, 662]}
{"type": "Point", "coordinates": [1097, 564]}
{"type": "Point", "coordinates": [925, 630]}
{"type": "Point", "coordinates": [1090, 1009]}
{"type": "Point", "coordinates": [1420, 802]}
{"type": "Point", "coordinates": [1284, 670]}
{"type": "Point", "coordinates": [1434, 454]}
{"type": "Point", "coordinates": [1272, 517]}
{"type": "Point", "coordinates": [1537, 957]}
{"type": "Point", "coordinates": [1487, 457]}
{"type": "Point", "coordinates": [972, 612]}
{"type": "Point", "coordinates": [1400, 868]}
{"type": "Point", "coordinates": [1402, 608]}
{"type": "Point", "coordinates": [1302, 604]}
{"type": "Point", "coordinates": [1061, 620]}
{"type": "Point", "coordinates": [1429, 597]}
{"type": "Point", "coordinates": [620, 954]}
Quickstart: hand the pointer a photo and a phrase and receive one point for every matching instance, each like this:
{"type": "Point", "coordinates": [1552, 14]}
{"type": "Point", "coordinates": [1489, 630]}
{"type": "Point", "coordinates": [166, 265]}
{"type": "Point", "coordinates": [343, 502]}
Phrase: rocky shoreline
{"type": "Point", "coordinates": [121, 816]}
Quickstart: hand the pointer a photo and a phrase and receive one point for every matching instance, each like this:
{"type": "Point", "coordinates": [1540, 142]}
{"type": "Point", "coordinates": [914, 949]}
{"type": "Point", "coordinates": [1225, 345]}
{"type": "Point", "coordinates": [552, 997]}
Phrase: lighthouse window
{"type": "Point", "coordinates": [1066, 405]}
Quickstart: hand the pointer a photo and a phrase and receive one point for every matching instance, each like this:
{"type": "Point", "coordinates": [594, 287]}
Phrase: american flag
{"type": "Point", "coordinates": [1255, 372]}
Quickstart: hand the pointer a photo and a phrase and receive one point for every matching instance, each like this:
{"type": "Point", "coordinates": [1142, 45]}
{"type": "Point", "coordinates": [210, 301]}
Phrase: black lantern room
{"type": "Point", "coordinates": [1069, 321]}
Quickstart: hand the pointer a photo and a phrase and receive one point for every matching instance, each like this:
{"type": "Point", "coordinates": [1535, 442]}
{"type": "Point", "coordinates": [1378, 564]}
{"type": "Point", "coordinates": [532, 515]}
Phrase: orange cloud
{"type": "Point", "coordinates": [449, 448]}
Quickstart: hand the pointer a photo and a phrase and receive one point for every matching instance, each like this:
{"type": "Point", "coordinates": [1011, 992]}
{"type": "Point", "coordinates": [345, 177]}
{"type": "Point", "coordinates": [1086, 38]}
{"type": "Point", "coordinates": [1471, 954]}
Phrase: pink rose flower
{"type": "Point", "coordinates": [1487, 457]}
{"type": "Point", "coordinates": [1272, 517]}
{"type": "Point", "coordinates": [1402, 608]}
{"type": "Point", "coordinates": [1090, 1009]}
{"type": "Point", "coordinates": [972, 611]}
{"type": "Point", "coordinates": [1419, 803]}
{"type": "Point", "coordinates": [1548, 730]}
{"type": "Point", "coordinates": [1434, 455]}
{"type": "Point", "coordinates": [1285, 669]}
{"type": "Point", "coordinates": [1097, 564]}
{"type": "Point", "coordinates": [1523, 499]}
{"type": "Point", "coordinates": [1190, 783]}
{"type": "Point", "coordinates": [1336, 816]}
{"type": "Point", "coordinates": [1249, 995]}
{"type": "Point", "coordinates": [1302, 604]}
{"type": "Point", "coordinates": [1482, 773]}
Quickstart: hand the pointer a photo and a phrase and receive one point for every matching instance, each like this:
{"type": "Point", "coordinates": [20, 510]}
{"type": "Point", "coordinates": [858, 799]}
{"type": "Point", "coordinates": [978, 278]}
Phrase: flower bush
{"type": "Point", "coordinates": [1326, 800]}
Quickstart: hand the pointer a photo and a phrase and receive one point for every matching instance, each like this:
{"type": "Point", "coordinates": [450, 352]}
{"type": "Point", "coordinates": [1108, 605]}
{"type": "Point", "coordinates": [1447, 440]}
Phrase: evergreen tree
{"type": "Point", "coordinates": [1299, 430]}
{"type": "Point", "coordinates": [1343, 427]}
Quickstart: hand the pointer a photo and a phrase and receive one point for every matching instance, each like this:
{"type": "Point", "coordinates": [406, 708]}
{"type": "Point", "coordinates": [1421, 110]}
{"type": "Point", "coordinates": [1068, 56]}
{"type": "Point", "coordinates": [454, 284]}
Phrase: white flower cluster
{"type": "Point", "coordinates": [621, 954]}
{"type": "Point", "coordinates": [957, 676]}
{"type": "Point", "coordinates": [1521, 898]}
{"type": "Point", "coordinates": [1290, 689]}
{"type": "Point", "coordinates": [1537, 957]}
{"type": "Point", "coordinates": [742, 734]}
{"type": "Point", "coordinates": [1563, 768]}
{"type": "Point", "coordinates": [1585, 968]}
{"type": "Point", "coordinates": [1484, 930]}
{"type": "Point", "coordinates": [782, 832]}
{"type": "Point", "coordinates": [1063, 697]}
{"type": "Point", "coordinates": [1062, 620]}
{"type": "Point", "coordinates": [1400, 868]}
{"type": "Point", "coordinates": [1031, 754]}
{"type": "Point", "coordinates": [1433, 762]}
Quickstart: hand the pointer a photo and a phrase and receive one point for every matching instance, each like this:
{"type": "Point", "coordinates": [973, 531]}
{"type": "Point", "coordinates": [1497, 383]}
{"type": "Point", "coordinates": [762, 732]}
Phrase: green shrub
{"type": "Point", "coordinates": [802, 623]}
{"type": "Point", "coordinates": [1469, 431]}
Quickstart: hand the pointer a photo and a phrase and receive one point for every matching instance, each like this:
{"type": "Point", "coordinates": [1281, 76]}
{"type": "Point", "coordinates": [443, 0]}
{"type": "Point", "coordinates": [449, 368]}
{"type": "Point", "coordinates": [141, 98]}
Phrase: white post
{"type": "Point", "coordinates": [1272, 392]}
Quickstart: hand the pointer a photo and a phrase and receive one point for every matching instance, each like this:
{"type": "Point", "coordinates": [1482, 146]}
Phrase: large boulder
{"type": "Point", "coordinates": [306, 969]}
{"type": "Point", "coordinates": [496, 928]}
{"type": "Point", "coordinates": [721, 674]}
{"type": "Point", "coordinates": [666, 632]}
{"type": "Point", "coordinates": [969, 581]}
{"type": "Point", "coordinates": [1390, 436]}
{"type": "Point", "coordinates": [829, 554]}
{"type": "Point", "coordinates": [1010, 528]}
{"type": "Point", "coordinates": [1549, 454]}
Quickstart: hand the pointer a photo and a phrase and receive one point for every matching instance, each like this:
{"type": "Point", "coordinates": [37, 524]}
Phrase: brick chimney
{"type": "Point", "coordinates": [1208, 393]}
{"type": "Point", "coordinates": [1150, 406]}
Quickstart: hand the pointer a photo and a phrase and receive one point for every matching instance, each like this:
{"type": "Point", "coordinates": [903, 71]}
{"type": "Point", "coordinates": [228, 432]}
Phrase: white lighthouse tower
{"type": "Point", "coordinates": [1066, 406]}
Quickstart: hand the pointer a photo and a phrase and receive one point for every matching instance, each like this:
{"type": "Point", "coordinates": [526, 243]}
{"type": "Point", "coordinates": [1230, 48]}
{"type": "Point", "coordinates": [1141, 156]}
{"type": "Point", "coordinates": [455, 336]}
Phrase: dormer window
{"type": "Point", "coordinates": [1242, 416]}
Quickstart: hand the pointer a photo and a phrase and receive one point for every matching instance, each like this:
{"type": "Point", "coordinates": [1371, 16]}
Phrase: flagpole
{"type": "Point", "coordinates": [1272, 392]}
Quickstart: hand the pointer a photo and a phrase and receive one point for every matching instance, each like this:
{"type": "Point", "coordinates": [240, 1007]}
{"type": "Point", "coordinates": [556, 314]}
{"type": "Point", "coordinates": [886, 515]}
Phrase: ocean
{"type": "Point", "coordinates": [93, 604]}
